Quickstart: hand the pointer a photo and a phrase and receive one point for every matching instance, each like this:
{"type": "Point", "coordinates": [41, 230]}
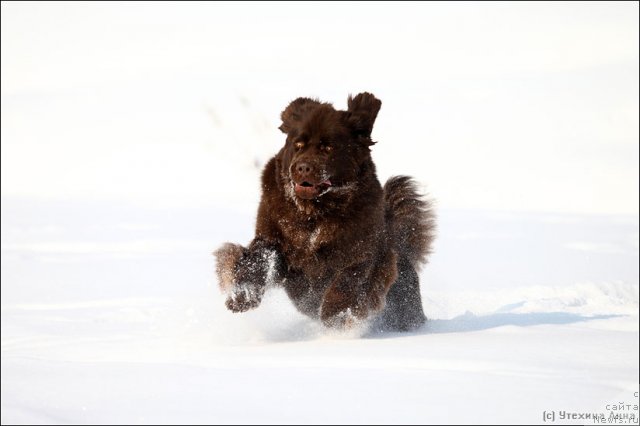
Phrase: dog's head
{"type": "Point", "coordinates": [326, 149]}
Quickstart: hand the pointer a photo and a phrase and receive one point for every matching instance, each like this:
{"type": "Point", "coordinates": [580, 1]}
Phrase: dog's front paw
{"type": "Point", "coordinates": [343, 320]}
{"type": "Point", "coordinates": [244, 297]}
{"type": "Point", "coordinates": [341, 309]}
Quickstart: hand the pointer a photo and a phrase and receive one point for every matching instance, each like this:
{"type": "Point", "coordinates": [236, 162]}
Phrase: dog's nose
{"type": "Point", "coordinates": [304, 168]}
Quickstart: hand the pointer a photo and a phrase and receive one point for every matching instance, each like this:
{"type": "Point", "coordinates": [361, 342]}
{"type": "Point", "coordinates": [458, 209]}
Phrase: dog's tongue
{"type": "Point", "coordinates": [325, 183]}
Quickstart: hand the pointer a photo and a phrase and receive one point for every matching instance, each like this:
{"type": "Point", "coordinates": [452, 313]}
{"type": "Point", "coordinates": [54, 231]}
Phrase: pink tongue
{"type": "Point", "coordinates": [326, 182]}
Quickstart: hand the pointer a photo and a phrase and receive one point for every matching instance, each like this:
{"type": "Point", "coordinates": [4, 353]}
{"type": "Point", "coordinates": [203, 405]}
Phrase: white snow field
{"type": "Point", "coordinates": [117, 319]}
{"type": "Point", "coordinates": [132, 139]}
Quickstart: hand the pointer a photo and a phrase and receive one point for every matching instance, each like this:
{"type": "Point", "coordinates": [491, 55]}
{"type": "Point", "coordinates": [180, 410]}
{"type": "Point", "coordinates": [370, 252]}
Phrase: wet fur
{"type": "Point", "coordinates": [352, 252]}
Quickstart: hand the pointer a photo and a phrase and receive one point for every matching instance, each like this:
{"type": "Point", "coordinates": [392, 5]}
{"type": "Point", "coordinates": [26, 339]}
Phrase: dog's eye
{"type": "Point", "coordinates": [299, 145]}
{"type": "Point", "coordinates": [328, 148]}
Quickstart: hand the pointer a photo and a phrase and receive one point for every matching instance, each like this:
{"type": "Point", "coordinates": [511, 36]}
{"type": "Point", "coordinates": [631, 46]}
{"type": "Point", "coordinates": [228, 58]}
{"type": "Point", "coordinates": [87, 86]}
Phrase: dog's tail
{"type": "Point", "coordinates": [410, 219]}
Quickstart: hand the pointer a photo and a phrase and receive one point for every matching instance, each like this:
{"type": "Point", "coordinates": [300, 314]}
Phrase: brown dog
{"type": "Point", "coordinates": [342, 247]}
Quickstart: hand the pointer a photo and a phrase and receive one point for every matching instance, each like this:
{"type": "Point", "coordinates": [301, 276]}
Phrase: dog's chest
{"type": "Point", "coordinates": [307, 237]}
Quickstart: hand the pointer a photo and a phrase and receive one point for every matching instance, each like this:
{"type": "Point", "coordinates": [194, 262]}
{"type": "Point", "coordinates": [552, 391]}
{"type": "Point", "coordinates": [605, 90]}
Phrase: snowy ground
{"type": "Point", "coordinates": [110, 315]}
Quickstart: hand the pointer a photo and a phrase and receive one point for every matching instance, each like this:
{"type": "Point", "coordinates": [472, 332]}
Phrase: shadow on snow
{"type": "Point", "coordinates": [470, 322]}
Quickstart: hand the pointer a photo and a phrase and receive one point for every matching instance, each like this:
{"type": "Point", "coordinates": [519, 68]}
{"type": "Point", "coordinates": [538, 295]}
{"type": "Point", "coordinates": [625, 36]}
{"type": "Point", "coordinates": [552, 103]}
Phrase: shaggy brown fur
{"type": "Point", "coordinates": [342, 247]}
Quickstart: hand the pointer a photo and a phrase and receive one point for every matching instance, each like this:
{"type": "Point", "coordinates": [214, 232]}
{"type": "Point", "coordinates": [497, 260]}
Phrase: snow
{"type": "Point", "coordinates": [99, 327]}
{"type": "Point", "coordinates": [128, 159]}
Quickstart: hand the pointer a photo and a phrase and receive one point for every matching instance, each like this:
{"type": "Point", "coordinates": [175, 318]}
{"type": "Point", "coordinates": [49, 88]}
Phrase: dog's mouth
{"type": "Point", "coordinates": [308, 190]}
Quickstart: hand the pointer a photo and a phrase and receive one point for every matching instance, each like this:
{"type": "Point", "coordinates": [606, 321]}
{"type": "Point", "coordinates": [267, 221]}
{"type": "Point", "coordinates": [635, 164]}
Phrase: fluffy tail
{"type": "Point", "coordinates": [410, 219]}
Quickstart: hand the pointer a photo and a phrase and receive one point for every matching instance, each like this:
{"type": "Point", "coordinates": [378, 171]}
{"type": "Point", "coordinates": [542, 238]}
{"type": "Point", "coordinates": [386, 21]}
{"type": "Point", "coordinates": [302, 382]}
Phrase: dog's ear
{"type": "Point", "coordinates": [363, 110]}
{"type": "Point", "coordinates": [295, 111]}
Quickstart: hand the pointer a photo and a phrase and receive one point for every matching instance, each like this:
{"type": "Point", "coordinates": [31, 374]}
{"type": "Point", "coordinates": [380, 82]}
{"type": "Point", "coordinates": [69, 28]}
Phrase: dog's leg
{"type": "Point", "coordinates": [342, 302]}
{"type": "Point", "coordinates": [244, 273]}
{"type": "Point", "coordinates": [358, 292]}
{"type": "Point", "coordinates": [403, 310]}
